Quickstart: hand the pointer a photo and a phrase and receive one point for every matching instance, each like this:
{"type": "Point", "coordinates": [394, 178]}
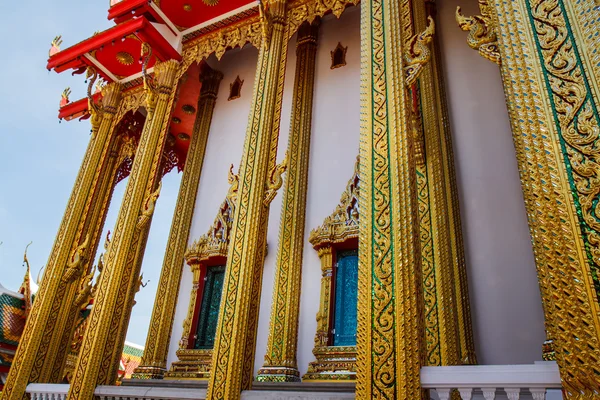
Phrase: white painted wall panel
{"type": "Point", "coordinates": [505, 298]}
{"type": "Point", "coordinates": [224, 147]}
{"type": "Point", "coordinates": [334, 148]}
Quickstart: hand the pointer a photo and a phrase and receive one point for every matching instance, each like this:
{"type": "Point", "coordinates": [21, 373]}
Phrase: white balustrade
{"type": "Point", "coordinates": [148, 393]}
{"type": "Point", "coordinates": [539, 381]}
{"type": "Point", "coordinates": [47, 391]}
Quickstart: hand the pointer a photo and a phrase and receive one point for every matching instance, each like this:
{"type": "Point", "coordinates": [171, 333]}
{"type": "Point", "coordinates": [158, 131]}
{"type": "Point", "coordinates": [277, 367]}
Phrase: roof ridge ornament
{"type": "Point", "coordinates": [55, 45]}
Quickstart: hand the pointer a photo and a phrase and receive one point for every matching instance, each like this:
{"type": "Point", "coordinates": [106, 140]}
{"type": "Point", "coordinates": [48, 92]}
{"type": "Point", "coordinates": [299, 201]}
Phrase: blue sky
{"type": "Point", "coordinates": [40, 158]}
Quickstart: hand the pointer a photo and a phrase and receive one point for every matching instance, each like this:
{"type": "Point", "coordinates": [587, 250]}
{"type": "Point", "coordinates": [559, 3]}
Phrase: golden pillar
{"type": "Point", "coordinates": [390, 348]}
{"type": "Point", "coordinates": [121, 148]}
{"type": "Point", "coordinates": [50, 319]}
{"type": "Point", "coordinates": [153, 365]}
{"type": "Point", "coordinates": [280, 360]}
{"type": "Point", "coordinates": [136, 211]}
{"type": "Point", "coordinates": [548, 55]}
{"type": "Point", "coordinates": [447, 316]}
{"type": "Point", "coordinates": [233, 352]}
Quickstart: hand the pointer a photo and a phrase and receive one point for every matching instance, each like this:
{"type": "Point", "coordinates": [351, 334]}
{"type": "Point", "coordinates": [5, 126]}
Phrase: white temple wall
{"type": "Point", "coordinates": [333, 152]}
{"type": "Point", "coordinates": [224, 147]}
{"type": "Point", "coordinates": [505, 298]}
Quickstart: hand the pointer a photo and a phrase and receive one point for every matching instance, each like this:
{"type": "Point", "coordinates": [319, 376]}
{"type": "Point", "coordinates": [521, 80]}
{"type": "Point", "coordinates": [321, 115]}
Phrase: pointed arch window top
{"type": "Point", "coordinates": [338, 56]}
{"type": "Point", "coordinates": [235, 89]}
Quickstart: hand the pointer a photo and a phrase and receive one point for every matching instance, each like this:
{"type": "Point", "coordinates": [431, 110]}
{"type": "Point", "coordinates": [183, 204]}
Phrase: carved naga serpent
{"type": "Point", "coordinates": [418, 53]}
{"type": "Point", "coordinates": [482, 36]}
{"type": "Point", "coordinates": [96, 110]}
{"type": "Point", "coordinates": [76, 261]}
{"type": "Point", "coordinates": [276, 180]}
{"type": "Point", "coordinates": [149, 85]}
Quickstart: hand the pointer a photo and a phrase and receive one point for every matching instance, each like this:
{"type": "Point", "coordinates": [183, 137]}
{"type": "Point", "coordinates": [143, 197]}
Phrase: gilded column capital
{"type": "Point", "coordinates": [111, 97]}
{"type": "Point", "coordinates": [166, 73]}
{"type": "Point", "coordinates": [211, 79]}
{"type": "Point", "coordinates": [308, 33]}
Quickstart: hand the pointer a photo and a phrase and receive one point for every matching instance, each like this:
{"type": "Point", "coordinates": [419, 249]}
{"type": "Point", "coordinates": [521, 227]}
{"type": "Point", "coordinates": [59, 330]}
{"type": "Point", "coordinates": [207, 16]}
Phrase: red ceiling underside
{"type": "Point", "coordinates": [199, 12]}
{"type": "Point", "coordinates": [188, 96]}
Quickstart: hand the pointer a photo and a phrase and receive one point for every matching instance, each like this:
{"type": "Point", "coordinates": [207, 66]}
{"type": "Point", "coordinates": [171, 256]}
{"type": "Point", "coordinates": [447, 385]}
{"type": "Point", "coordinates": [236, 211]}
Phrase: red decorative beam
{"type": "Point", "coordinates": [77, 109]}
{"type": "Point", "coordinates": [128, 9]}
{"type": "Point", "coordinates": [74, 56]}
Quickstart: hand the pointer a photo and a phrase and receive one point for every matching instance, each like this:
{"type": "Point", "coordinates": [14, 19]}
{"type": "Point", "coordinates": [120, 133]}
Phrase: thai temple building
{"type": "Point", "coordinates": [387, 199]}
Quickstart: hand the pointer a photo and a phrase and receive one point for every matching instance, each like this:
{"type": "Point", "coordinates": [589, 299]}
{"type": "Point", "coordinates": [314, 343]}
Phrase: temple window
{"type": "Point", "coordinates": [209, 309]}
{"type": "Point", "coordinates": [206, 257]}
{"type": "Point", "coordinates": [346, 288]}
{"type": "Point", "coordinates": [235, 89]}
{"type": "Point", "coordinates": [338, 56]}
{"type": "Point", "coordinates": [336, 242]}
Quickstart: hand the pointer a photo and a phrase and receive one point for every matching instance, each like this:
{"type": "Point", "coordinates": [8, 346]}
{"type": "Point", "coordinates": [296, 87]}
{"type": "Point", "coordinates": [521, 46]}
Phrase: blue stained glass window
{"type": "Point", "coordinates": [346, 287]}
{"type": "Point", "coordinates": [209, 309]}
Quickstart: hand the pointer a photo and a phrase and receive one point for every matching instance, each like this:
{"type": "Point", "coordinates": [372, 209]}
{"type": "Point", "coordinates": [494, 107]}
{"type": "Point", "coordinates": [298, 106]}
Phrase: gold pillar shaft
{"type": "Point", "coordinates": [94, 226]}
{"type": "Point", "coordinates": [390, 331]}
{"type": "Point", "coordinates": [447, 315]}
{"type": "Point", "coordinates": [552, 95]}
{"type": "Point", "coordinates": [322, 335]}
{"type": "Point", "coordinates": [49, 317]}
{"type": "Point", "coordinates": [136, 211]}
{"type": "Point", "coordinates": [238, 315]}
{"type": "Point", "coordinates": [280, 360]}
{"type": "Point", "coordinates": [153, 365]}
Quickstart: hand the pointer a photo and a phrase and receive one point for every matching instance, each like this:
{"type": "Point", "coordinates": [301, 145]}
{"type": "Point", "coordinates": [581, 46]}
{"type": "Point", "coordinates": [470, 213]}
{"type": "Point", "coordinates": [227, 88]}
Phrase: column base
{"type": "Point", "coordinates": [278, 374]}
{"type": "Point", "coordinates": [192, 364]}
{"type": "Point", "coordinates": [334, 363]}
{"type": "Point", "coordinates": [148, 372]}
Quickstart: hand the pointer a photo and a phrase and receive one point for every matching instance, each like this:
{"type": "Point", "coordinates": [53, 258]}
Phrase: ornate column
{"type": "Point", "coordinates": [390, 346]}
{"type": "Point", "coordinates": [136, 211]}
{"type": "Point", "coordinates": [233, 352]}
{"type": "Point", "coordinates": [122, 148]}
{"type": "Point", "coordinates": [448, 329]}
{"type": "Point", "coordinates": [50, 318]}
{"type": "Point", "coordinates": [153, 365]}
{"type": "Point", "coordinates": [280, 360]}
{"type": "Point", "coordinates": [551, 79]}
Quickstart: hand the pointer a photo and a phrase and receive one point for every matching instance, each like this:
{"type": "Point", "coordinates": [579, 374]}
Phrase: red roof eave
{"type": "Point", "coordinates": [73, 57]}
{"type": "Point", "coordinates": [128, 9]}
{"type": "Point", "coordinates": [77, 108]}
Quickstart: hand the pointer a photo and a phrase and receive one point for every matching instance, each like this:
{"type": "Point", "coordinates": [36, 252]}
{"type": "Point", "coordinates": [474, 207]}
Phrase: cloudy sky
{"type": "Point", "coordinates": [40, 158]}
